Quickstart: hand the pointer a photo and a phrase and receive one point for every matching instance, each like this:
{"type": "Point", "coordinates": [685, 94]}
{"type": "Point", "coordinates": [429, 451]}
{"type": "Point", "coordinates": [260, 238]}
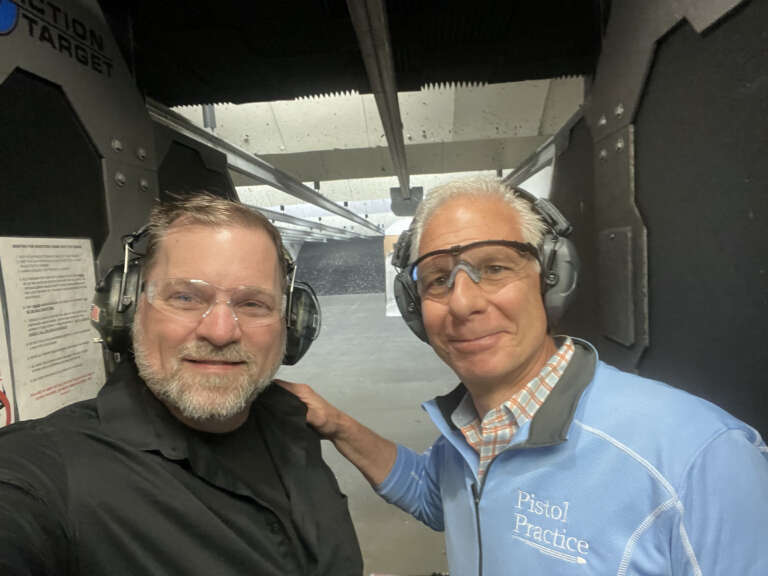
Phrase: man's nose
{"type": "Point", "coordinates": [219, 326]}
{"type": "Point", "coordinates": [466, 296]}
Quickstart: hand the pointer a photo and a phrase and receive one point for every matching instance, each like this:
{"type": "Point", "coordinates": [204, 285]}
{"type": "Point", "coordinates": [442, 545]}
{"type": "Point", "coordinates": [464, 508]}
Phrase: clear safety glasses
{"type": "Point", "coordinates": [192, 300]}
{"type": "Point", "coordinates": [492, 264]}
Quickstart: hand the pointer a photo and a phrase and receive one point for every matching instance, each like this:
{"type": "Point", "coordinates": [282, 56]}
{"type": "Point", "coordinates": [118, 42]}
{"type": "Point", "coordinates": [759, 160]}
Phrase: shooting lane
{"type": "Point", "coordinates": [665, 179]}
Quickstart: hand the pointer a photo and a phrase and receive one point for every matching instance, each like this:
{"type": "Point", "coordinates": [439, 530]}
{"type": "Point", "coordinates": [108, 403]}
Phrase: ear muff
{"type": "Point", "coordinates": [406, 294]}
{"type": "Point", "coordinates": [559, 275]}
{"type": "Point", "coordinates": [303, 321]}
{"type": "Point", "coordinates": [113, 314]}
{"type": "Point", "coordinates": [559, 259]}
{"type": "Point", "coordinates": [409, 303]}
{"type": "Point", "coordinates": [559, 268]}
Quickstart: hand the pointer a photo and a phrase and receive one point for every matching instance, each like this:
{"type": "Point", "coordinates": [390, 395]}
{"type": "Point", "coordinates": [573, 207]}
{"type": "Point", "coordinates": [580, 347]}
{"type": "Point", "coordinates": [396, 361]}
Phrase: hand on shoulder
{"type": "Point", "coordinates": [321, 414]}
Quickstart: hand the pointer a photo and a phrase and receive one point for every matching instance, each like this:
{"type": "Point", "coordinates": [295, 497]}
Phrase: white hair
{"type": "Point", "coordinates": [531, 224]}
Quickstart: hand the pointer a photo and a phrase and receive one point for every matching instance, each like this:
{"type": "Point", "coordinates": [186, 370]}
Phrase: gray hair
{"type": "Point", "coordinates": [206, 209]}
{"type": "Point", "coordinates": [531, 224]}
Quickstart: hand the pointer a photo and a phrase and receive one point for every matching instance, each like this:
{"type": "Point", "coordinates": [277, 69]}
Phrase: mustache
{"type": "Point", "coordinates": [202, 350]}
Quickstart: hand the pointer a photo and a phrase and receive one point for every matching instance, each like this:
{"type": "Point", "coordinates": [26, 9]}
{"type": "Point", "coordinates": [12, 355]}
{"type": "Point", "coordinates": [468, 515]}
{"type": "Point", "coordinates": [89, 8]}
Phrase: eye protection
{"type": "Point", "coordinates": [192, 300]}
{"type": "Point", "coordinates": [491, 264]}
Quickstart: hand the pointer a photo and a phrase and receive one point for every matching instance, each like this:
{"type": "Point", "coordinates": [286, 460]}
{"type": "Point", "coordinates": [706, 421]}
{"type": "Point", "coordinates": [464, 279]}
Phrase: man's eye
{"type": "Point", "coordinates": [495, 269]}
{"type": "Point", "coordinates": [254, 307]}
{"type": "Point", "coordinates": [183, 299]}
{"type": "Point", "coordinates": [436, 281]}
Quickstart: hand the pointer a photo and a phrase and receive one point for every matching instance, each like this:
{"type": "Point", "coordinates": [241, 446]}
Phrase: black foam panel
{"type": "Point", "coordinates": [50, 173]}
{"type": "Point", "coordinates": [702, 187]}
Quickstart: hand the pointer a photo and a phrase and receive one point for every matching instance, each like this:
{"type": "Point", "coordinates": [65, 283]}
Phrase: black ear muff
{"type": "Point", "coordinates": [558, 257]}
{"type": "Point", "coordinates": [406, 293]}
{"type": "Point", "coordinates": [117, 296]}
{"type": "Point", "coordinates": [409, 303]}
{"type": "Point", "coordinates": [112, 313]}
{"type": "Point", "coordinates": [559, 275]}
{"type": "Point", "coordinates": [303, 320]}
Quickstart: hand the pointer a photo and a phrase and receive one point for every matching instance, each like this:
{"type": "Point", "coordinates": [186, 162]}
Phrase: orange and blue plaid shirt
{"type": "Point", "coordinates": [491, 436]}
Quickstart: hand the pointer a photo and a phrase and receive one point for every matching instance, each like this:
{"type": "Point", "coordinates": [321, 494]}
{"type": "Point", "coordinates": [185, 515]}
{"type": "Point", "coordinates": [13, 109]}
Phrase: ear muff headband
{"type": "Point", "coordinates": [117, 296]}
{"type": "Point", "coordinates": [557, 256]}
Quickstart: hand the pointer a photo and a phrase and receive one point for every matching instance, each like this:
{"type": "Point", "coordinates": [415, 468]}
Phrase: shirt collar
{"type": "Point", "coordinates": [520, 408]}
{"type": "Point", "coordinates": [130, 412]}
{"type": "Point", "coordinates": [551, 422]}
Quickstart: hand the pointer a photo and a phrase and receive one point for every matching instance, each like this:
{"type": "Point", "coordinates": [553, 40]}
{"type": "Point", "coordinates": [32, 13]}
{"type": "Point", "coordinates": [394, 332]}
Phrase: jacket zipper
{"type": "Point", "coordinates": [476, 496]}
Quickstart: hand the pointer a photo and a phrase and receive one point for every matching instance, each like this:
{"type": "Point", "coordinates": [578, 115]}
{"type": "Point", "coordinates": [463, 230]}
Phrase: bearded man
{"type": "Point", "coordinates": [188, 461]}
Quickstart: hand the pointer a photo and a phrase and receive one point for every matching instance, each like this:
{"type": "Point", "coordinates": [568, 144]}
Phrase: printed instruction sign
{"type": "Point", "coordinates": [49, 285]}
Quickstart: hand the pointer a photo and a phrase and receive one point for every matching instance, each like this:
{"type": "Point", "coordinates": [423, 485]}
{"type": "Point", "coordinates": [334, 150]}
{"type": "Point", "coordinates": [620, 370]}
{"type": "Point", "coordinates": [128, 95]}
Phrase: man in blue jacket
{"type": "Point", "coordinates": [549, 461]}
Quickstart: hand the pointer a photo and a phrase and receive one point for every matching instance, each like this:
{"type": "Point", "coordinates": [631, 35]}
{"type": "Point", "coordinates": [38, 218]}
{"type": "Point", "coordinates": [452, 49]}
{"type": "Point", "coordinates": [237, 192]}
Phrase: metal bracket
{"type": "Point", "coordinates": [623, 250]}
{"type": "Point", "coordinates": [403, 205]}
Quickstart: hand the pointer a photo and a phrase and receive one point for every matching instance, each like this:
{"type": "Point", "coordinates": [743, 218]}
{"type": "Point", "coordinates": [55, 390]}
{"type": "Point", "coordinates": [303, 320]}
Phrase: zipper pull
{"type": "Point", "coordinates": [475, 493]}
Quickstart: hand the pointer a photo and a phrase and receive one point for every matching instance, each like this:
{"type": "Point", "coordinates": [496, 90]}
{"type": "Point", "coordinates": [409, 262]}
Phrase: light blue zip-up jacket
{"type": "Point", "coordinates": [615, 474]}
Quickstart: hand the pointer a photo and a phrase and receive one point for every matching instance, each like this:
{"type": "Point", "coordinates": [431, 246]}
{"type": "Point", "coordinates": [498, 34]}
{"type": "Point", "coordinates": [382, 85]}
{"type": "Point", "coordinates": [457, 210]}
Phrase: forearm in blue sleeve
{"type": "Point", "coordinates": [413, 485]}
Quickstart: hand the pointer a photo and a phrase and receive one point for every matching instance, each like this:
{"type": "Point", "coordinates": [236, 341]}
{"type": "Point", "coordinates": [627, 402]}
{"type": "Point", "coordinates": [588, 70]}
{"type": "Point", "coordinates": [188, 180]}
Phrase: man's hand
{"type": "Point", "coordinates": [373, 455]}
{"type": "Point", "coordinates": [321, 414]}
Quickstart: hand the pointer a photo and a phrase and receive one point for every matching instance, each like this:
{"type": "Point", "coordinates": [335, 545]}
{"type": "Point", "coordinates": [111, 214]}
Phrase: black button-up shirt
{"type": "Point", "coordinates": [117, 486]}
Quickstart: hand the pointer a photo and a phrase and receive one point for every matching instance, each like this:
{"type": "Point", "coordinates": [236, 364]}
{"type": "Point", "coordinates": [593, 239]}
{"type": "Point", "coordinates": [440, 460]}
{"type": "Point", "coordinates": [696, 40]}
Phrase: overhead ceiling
{"type": "Point", "coordinates": [191, 52]}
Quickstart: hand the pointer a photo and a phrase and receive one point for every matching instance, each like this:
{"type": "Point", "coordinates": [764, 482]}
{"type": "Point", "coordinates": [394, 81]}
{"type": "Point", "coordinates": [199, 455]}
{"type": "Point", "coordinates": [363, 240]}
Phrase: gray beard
{"type": "Point", "coordinates": [203, 396]}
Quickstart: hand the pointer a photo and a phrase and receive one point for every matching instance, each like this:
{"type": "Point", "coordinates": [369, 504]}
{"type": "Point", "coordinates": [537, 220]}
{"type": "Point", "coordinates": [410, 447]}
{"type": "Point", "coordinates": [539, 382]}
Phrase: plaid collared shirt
{"type": "Point", "coordinates": [499, 425]}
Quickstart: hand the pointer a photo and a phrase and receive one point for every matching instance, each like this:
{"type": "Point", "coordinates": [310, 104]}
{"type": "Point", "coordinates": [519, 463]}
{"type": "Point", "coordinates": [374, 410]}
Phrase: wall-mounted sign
{"type": "Point", "coordinates": [53, 360]}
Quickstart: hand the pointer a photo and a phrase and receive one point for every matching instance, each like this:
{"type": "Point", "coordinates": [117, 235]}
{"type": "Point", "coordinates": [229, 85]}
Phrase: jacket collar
{"type": "Point", "coordinates": [553, 419]}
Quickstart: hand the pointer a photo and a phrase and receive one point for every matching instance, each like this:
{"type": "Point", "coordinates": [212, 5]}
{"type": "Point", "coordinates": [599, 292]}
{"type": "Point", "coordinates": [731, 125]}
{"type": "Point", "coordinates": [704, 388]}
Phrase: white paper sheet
{"type": "Point", "coordinates": [49, 284]}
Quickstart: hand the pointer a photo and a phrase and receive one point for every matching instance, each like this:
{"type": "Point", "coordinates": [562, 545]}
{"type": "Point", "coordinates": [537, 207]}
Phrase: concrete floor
{"type": "Point", "coordinates": [374, 368]}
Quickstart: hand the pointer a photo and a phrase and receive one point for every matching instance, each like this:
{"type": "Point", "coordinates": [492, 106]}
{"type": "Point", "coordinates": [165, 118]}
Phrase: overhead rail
{"type": "Point", "coordinates": [546, 154]}
{"type": "Point", "coordinates": [294, 234]}
{"type": "Point", "coordinates": [315, 227]}
{"type": "Point", "coordinates": [369, 18]}
{"type": "Point", "coordinates": [252, 166]}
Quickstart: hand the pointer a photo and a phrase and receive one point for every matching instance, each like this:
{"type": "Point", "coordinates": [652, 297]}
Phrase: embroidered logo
{"type": "Point", "coordinates": [543, 525]}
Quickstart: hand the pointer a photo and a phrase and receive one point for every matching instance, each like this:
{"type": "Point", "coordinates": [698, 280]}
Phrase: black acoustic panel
{"type": "Point", "coordinates": [343, 266]}
{"type": "Point", "coordinates": [50, 173]}
{"type": "Point", "coordinates": [187, 52]}
{"type": "Point", "coordinates": [573, 194]}
{"type": "Point", "coordinates": [702, 185]}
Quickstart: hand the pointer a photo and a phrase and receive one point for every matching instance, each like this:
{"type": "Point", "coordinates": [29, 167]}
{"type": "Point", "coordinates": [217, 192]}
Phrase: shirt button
{"type": "Point", "coordinates": [274, 527]}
